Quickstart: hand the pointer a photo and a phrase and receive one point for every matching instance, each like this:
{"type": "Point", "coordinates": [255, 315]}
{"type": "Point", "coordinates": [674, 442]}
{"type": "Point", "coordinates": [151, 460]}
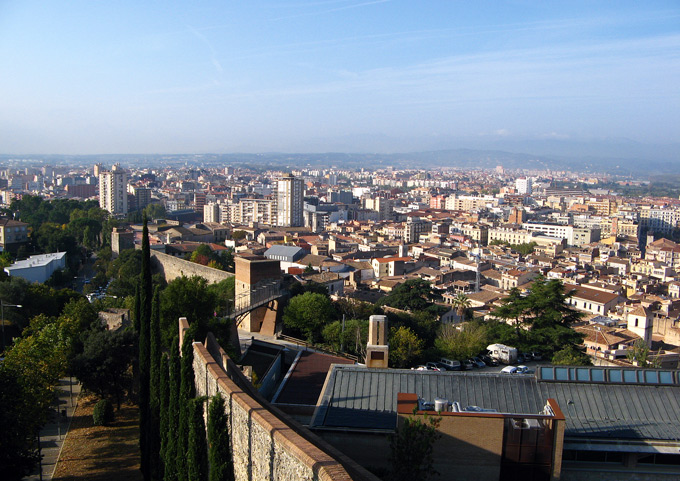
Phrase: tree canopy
{"type": "Point", "coordinates": [405, 347]}
{"type": "Point", "coordinates": [308, 313]}
{"type": "Point", "coordinates": [542, 318]}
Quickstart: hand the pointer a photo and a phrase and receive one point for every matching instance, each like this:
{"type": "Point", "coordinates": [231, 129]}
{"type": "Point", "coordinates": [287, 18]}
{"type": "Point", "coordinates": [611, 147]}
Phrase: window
{"type": "Point", "coordinates": [629, 375]}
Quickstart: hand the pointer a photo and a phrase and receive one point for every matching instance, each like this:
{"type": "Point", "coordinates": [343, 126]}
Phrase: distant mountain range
{"type": "Point", "coordinates": [622, 157]}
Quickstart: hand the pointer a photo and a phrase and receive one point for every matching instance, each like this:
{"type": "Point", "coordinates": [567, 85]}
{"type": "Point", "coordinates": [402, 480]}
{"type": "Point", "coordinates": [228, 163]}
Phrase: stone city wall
{"type": "Point", "coordinates": [266, 445]}
{"type": "Point", "coordinates": [172, 267]}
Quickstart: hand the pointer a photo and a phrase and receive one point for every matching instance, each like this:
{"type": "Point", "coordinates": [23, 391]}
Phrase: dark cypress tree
{"type": "Point", "coordinates": [164, 392]}
{"type": "Point", "coordinates": [187, 391]}
{"type": "Point", "coordinates": [219, 454]}
{"type": "Point", "coordinates": [170, 451]}
{"type": "Point", "coordinates": [138, 307]}
{"type": "Point", "coordinates": [154, 390]}
{"type": "Point", "coordinates": [145, 356]}
{"type": "Point", "coordinates": [197, 457]}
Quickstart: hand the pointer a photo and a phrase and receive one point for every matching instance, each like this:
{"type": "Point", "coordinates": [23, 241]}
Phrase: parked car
{"type": "Point", "coordinates": [516, 370]}
{"type": "Point", "coordinates": [537, 356]}
{"type": "Point", "coordinates": [489, 361]}
{"type": "Point", "coordinates": [521, 358]}
{"type": "Point", "coordinates": [478, 362]}
{"type": "Point", "coordinates": [420, 368]}
{"type": "Point", "coordinates": [528, 356]}
{"type": "Point", "coordinates": [467, 364]}
{"type": "Point", "coordinates": [432, 366]}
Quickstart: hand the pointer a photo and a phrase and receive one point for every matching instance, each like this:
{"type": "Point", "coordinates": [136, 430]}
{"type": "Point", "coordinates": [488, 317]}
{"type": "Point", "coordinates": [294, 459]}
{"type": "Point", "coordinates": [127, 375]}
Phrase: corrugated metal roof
{"type": "Point", "coordinates": [357, 397]}
{"type": "Point", "coordinates": [617, 410]}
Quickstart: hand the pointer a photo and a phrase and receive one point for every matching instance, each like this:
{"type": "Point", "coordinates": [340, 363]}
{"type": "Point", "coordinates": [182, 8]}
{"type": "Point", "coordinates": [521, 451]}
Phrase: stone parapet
{"type": "Point", "coordinates": [266, 444]}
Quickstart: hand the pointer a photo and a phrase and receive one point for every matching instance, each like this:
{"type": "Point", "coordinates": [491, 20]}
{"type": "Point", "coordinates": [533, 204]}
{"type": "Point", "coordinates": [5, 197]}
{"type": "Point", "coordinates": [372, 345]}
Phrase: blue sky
{"type": "Point", "coordinates": [350, 75]}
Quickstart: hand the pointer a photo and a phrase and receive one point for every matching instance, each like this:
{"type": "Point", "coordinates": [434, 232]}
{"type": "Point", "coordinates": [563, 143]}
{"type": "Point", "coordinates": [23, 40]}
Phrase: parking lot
{"type": "Point", "coordinates": [532, 365]}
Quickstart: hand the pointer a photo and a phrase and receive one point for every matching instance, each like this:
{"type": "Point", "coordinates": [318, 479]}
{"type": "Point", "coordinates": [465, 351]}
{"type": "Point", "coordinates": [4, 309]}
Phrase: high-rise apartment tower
{"type": "Point", "coordinates": [113, 190]}
{"type": "Point", "coordinates": [289, 201]}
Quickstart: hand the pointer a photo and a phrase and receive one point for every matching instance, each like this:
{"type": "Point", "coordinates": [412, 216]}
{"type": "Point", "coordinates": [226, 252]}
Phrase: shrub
{"type": "Point", "coordinates": [103, 413]}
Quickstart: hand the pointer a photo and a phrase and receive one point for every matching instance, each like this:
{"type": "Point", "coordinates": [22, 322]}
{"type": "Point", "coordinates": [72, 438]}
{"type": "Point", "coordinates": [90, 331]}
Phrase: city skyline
{"type": "Point", "coordinates": [337, 75]}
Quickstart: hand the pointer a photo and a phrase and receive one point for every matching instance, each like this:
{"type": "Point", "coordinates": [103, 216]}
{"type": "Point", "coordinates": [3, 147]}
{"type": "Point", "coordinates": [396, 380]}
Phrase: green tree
{"type": "Point", "coordinates": [187, 391]}
{"type": "Point", "coordinates": [308, 313]}
{"type": "Point", "coordinates": [639, 353]}
{"type": "Point", "coordinates": [171, 447]}
{"type": "Point", "coordinates": [197, 457]}
{"type": "Point", "coordinates": [155, 211]}
{"type": "Point", "coordinates": [125, 272]}
{"type": "Point", "coordinates": [298, 288]}
{"type": "Point", "coordinates": [219, 454]}
{"type": "Point", "coordinates": [412, 295]}
{"type": "Point", "coordinates": [223, 292]}
{"type": "Point", "coordinates": [570, 356]}
{"type": "Point", "coordinates": [411, 448]}
{"type": "Point", "coordinates": [145, 425]}
{"type": "Point", "coordinates": [103, 366]}
{"type": "Point", "coordinates": [186, 297]}
{"type": "Point", "coordinates": [164, 392]}
{"type": "Point", "coordinates": [137, 310]}
{"type": "Point", "coordinates": [238, 235]}
{"type": "Point", "coordinates": [354, 338]}
{"type": "Point", "coordinates": [405, 346]}
{"type": "Point", "coordinates": [462, 343]}
{"type": "Point", "coordinates": [154, 391]}
{"type": "Point", "coordinates": [19, 425]}
{"type": "Point", "coordinates": [461, 303]}
{"type": "Point", "coordinates": [542, 318]}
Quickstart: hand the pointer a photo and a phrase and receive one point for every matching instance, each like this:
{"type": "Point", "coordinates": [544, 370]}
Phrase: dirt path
{"type": "Point", "coordinates": [101, 453]}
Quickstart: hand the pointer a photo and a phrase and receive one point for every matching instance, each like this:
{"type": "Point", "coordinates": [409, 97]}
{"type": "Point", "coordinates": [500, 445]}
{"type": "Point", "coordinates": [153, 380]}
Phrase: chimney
{"type": "Point", "coordinates": [377, 350]}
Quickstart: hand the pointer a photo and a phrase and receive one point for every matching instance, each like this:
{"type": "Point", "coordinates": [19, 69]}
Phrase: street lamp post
{"type": "Point", "coordinates": [2, 314]}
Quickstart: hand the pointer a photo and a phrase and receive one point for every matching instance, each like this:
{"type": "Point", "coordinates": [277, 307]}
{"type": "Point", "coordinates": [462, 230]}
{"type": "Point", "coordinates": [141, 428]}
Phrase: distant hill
{"type": "Point", "coordinates": [621, 157]}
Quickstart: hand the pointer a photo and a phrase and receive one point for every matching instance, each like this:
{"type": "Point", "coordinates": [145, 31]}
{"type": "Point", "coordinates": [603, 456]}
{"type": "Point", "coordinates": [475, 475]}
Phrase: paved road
{"type": "Point", "coordinates": [53, 433]}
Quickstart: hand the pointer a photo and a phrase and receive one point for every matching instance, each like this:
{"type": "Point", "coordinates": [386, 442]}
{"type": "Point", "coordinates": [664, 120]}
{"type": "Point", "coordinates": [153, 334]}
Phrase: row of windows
{"type": "Point", "coordinates": [628, 376]}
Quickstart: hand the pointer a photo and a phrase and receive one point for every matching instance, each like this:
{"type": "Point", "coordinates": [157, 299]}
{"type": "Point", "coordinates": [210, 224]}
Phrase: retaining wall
{"type": "Point", "coordinates": [266, 444]}
{"type": "Point", "coordinates": [172, 267]}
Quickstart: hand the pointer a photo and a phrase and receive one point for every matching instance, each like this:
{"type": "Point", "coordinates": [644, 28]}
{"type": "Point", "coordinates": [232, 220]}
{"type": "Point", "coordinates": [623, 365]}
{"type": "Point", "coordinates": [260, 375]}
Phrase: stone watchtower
{"type": "Point", "coordinates": [377, 350]}
{"type": "Point", "coordinates": [257, 279]}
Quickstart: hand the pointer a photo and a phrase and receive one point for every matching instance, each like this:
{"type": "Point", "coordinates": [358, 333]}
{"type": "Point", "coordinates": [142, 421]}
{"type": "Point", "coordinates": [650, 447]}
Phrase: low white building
{"type": "Point", "coordinates": [38, 268]}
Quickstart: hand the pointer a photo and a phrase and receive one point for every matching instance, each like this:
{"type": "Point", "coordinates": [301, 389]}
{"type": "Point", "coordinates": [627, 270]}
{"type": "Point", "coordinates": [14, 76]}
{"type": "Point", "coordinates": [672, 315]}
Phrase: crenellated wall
{"type": "Point", "coordinates": [172, 267]}
{"type": "Point", "coordinates": [266, 444]}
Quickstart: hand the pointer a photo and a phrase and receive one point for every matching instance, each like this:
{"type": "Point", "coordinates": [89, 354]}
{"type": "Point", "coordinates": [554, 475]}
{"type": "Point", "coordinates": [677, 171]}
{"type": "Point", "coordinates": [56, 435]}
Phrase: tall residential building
{"type": "Point", "coordinates": [249, 211]}
{"type": "Point", "coordinates": [211, 212]}
{"type": "Point", "coordinates": [524, 185]}
{"type": "Point", "coordinates": [289, 201]}
{"type": "Point", "coordinates": [113, 190]}
{"type": "Point", "coordinates": [141, 196]}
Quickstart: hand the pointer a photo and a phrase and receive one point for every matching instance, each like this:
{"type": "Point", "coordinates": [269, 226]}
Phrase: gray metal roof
{"type": "Point", "coordinates": [357, 397]}
{"type": "Point", "coordinates": [616, 410]}
{"type": "Point", "coordinates": [284, 253]}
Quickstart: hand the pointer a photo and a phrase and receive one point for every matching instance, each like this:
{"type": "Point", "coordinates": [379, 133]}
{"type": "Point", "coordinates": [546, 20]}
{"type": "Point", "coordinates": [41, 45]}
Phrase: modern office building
{"type": "Point", "coordinates": [113, 190]}
{"type": "Point", "coordinates": [289, 201]}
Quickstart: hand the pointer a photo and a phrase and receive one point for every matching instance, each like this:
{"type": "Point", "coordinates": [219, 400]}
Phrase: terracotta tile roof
{"type": "Point", "coordinates": [591, 295]}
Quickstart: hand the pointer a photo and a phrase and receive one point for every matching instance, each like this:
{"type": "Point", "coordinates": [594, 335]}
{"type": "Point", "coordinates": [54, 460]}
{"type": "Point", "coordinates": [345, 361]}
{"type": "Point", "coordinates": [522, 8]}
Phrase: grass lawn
{"type": "Point", "coordinates": [101, 453]}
